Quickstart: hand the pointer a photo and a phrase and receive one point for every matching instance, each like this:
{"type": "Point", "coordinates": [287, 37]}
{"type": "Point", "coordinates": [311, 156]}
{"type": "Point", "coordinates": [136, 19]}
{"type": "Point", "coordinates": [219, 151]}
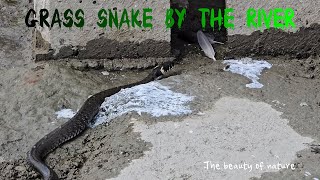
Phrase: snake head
{"type": "Point", "coordinates": [159, 71]}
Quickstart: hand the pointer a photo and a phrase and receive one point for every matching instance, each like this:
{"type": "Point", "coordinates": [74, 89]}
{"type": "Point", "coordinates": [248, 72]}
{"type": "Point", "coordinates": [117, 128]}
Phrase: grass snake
{"type": "Point", "coordinates": [79, 123]}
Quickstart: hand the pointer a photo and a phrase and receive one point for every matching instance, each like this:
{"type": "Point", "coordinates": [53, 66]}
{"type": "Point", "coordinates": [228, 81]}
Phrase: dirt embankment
{"type": "Point", "coordinates": [301, 44]}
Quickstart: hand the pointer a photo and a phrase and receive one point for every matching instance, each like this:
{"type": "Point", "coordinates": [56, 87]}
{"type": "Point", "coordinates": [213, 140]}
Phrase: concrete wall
{"type": "Point", "coordinates": [306, 12]}
{"type": "Point", "coordinates": [93, 42]}
{"type": "Point", "coordinates": [301, 42]}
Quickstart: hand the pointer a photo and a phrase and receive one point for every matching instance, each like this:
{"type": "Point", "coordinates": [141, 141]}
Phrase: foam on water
{"type": "Point", "coordinates": [249, 68]}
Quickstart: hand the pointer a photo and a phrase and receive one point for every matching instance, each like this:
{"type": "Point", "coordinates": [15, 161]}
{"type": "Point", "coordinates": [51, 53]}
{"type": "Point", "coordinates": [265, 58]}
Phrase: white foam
{"type": "Point", "coordinates": [65, 113]}
{"type": "Point", "coordinates": [152, 98]}
{"type": "Point", "coordinates": [249, 68]}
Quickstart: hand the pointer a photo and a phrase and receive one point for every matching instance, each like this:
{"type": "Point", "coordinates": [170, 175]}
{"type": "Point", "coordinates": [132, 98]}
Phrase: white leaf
{"type": "Point", "coordinates": [205, 45]}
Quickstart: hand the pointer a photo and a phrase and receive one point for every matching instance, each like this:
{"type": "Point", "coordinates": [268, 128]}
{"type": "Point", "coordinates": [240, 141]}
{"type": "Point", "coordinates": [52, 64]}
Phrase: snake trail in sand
{"type": "Point", "coordinates": [79, 123]}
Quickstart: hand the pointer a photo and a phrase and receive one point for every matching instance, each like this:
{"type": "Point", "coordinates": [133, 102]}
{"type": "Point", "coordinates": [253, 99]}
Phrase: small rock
{"type": "Point", "coordinates": [276, 101]}
{"type": "Point", "coordinates": [105, 73]}
{"type": "Point", "coordinates": [9, 167]}
{"type": "Point", "coordinates": [299, 155]}
{"type": "Point", "coordinates": [201, 113]}
{"type": "Point", "coordinates": [75, 164]}
{"type": "Point", "coordinates": [20, 168]}
{"type": "Point", "coordinates": [303, 104]}
{"type": "Point", "coordinates": [133, 120]}
{"type": "Point", "coordinates": [93, 64]}
{"type": "Point", "coordinates": [79, 65]}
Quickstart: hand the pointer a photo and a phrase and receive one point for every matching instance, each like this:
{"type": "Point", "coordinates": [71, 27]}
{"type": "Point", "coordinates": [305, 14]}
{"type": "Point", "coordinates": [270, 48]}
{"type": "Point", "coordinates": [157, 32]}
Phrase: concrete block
{"type": "Point", "coordinates": [94, 42]}
{"type": "Point", "coordinates": [307, 12]}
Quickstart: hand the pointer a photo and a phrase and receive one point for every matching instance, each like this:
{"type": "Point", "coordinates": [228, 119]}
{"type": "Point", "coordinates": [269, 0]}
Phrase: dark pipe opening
{"type": "Point", "coordinates": [192, 23]}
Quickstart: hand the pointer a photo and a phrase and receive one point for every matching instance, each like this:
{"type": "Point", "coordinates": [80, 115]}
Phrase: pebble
{"type": "Point", "coordinates": [105, 73]}
{"type": "Point", "coordinates": [9, 166]}
{"type": "Point", "coordinates": [79, 65]}
{"type": "Point", "coordinates": [133, 120]}
{"type": "Point", "coordinates": [303, 104]}
{"type": "Point", "coordinates": [201, 113]}
{"type": "Point", "coordinates": [20, 168]}
{"type": "Point", "coordinates": [93, 64]}
{"type": "Point", "coordinates": [299, 155]}
{"type": "Point", "coordinates": [75, 164]}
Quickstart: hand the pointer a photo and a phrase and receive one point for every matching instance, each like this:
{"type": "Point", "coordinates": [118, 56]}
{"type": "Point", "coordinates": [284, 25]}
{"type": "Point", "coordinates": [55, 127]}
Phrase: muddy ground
{"type": "Point", "coordinates": [31, 92]}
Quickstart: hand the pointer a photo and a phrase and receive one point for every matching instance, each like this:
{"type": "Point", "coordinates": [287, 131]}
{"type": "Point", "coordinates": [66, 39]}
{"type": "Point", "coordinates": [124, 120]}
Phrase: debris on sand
{"type": "Point", "coordinates": [249, 68]}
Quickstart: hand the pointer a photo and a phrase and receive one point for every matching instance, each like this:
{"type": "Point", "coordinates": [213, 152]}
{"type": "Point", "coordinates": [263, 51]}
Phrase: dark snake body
{"type": "Point", "coordinates": [79, 123]}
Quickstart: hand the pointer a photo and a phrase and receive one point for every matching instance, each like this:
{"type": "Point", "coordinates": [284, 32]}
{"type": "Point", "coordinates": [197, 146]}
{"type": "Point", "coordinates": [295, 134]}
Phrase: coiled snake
{"type": "Point", "coordinates": [79, 123]}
